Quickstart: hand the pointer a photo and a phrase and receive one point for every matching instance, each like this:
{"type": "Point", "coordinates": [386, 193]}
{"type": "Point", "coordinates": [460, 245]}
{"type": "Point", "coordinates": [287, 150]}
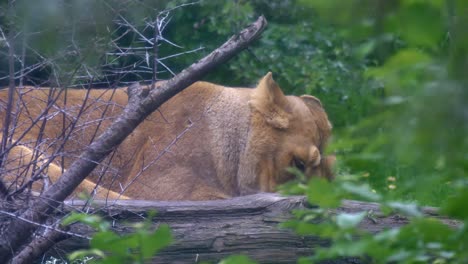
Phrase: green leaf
{"type": "Point", "coordinates": [421, 24]}
{"type": "Point", "coordinates": [363, 191]}
{"type": "Point", "coordinates": [324, 230]}
{"type": "Point", "coordinates": [237, 259]}
{"type": "Point", "coordinates": [348, 221]}
{"type": "Point", "coordinates": [116, 259]}
{"type": "Point", "coordinates": [408, 58]}
{"type": "Point", "coordinates": [323, 193]}
{"type": "Point", "coordinates": [365, 49]}
{"type": "Point", "coordinates": [455, 206]}
{"type": "Point", "coordinates": [426, 230]}
{"type": "Point", "coordinates": [156, 241]}
{"type": "Point", "coordinates": [79, 254]}
{"type": "Point", "coordinates": [387, 235]}
{"type": "Point", "coordinates": [109, 241]}
{"type": "Point", "coordinates": [91, 220]}
{"type": "Point", "coordinates": [408, 209]}
{"type": "Point", "coordinates": [405, 63]}
{"type": "Point", "coordinates": [399, 256]}
{"type": "Point", "coordinates": [355, 248]}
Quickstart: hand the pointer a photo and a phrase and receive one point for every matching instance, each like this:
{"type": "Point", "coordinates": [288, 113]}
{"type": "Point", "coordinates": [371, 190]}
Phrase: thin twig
{"type": "Point", "coordinates": [11, 88]}
{"type": "Point", "coordinates": [157, 33]}
{"type": "Point", "coordinates": [12, 215]}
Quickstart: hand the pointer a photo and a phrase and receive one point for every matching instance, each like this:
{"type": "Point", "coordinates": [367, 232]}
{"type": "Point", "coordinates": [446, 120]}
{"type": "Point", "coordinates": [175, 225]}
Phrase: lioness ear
{"type": "Point", "coordinates": [269, 100]}
{"type": "Point", "coordinates": [314, 104]}
{"type": "Point", "coordinates": [311, 101]}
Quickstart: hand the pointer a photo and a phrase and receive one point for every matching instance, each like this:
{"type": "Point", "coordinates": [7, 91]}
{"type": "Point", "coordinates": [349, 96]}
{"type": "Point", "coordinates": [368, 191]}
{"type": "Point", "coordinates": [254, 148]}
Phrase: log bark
{"type": "Point", "coordinates": [19, 230]}
{"type": "Point", "coordinates": [212, 230]}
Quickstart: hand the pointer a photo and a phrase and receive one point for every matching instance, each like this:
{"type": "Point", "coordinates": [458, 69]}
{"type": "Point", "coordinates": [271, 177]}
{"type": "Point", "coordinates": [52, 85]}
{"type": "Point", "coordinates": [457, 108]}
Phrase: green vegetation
{"type": "Point", "coordinates": [107, 247]}
{"type": "Point", "coordinates": [412, 147]}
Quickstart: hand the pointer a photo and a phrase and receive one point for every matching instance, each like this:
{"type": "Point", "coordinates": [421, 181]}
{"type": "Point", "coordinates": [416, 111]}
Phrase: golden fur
{"type": "Point", "coordinates": [22, 163]}
{"type": "Point", "coordinates": [207, 142]}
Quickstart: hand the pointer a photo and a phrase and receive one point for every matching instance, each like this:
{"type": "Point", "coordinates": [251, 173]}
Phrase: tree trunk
{"type": "Point", "coordinates": [212, 230]}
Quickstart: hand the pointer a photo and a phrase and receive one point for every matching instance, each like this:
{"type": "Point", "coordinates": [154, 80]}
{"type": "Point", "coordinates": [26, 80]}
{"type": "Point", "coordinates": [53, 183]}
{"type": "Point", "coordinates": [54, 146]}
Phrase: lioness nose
{"type": "Point", "coordinates": [314, 156]}
{"type": "Point", "coordinates": [327, 166]}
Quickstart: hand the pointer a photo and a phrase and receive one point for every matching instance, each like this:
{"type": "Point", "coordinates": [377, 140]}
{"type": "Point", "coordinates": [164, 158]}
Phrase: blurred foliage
{"type": "Point", "coordinates": [416, 142]}
{"type": "Point", "coordinates": [106, 246]}
{"type": "Point", "coordinates": [304, 56]}
{"type": "Point", "coordinates": [65, 43]}
{"type": "Point", "coordinates": [424, 240]}
{"type": "Point", "coordinates": [413, 147]}
{"type": "Point", "coordinates": [237, 259]}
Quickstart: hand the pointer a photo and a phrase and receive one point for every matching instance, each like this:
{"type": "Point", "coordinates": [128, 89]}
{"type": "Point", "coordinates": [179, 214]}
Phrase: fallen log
{"type": "Point", "coordinates": [212, 230]}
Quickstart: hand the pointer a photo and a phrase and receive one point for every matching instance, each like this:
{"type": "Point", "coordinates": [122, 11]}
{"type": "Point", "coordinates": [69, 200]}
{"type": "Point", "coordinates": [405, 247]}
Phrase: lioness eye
{"type": "Point", "coordinates": [299, 164]}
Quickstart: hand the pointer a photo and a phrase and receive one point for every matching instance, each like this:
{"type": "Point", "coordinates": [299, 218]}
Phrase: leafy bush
{"type": "Point", "coordinates": [305, 56]}
{"type": "Point", "coordinates": [423, 240]}
{"type": "Point", "coordinates": [106, 246]}
{"type": "Point", "coordinates": [413, 148]}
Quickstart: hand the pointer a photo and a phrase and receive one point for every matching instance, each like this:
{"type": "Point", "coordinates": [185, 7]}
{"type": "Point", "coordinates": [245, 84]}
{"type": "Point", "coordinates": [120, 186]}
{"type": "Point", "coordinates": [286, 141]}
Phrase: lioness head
{"type": "Point", "coordinates": [287, 131]}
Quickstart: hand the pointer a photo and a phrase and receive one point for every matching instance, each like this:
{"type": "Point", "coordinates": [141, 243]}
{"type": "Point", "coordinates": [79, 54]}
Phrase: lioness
{"type": "Point", "coordinates": [207, 142]}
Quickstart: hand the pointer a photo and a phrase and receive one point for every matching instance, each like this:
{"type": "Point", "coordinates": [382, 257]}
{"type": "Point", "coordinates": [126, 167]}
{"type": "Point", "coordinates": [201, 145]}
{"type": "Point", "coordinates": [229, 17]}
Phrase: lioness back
{"type": "Point", "coordinates": [207, 142]}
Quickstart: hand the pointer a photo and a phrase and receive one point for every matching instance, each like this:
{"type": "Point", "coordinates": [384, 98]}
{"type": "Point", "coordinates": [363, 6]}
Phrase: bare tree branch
{"type": "Point", "coordinates": [11, 88]}
{"type": "Point", "coordinates": [18, 232]}
{"type": "Point", "coordinates": [157, 33]}
{"type": "Point", "coordinates": [38, 246]}
{"type": "Point", "coordinates": [47, 227]}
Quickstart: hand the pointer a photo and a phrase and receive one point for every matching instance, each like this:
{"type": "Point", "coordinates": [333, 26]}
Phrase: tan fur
{"type": "Point", "coordinates": [22, 163]}
{"type": "Point", "coordinates": [207, 142]}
